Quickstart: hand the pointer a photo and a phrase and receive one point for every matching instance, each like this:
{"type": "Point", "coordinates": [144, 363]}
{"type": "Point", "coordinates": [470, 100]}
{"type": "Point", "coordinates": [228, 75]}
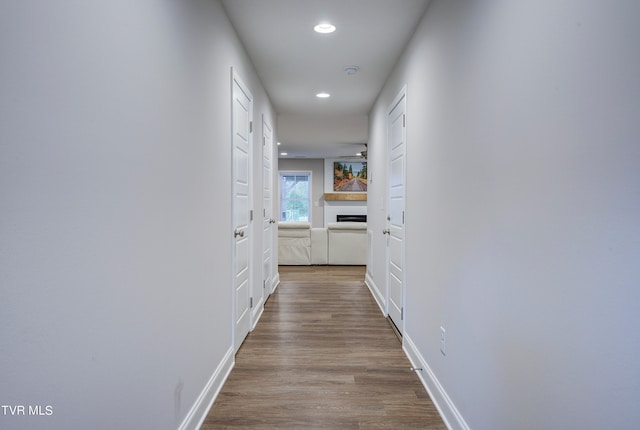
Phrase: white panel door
{"type": "Point", "coordinates": [396, 146]}
{"type": "Point", "coordinates": [268, 220]}
{"type": "Point", "coordinates": [241, 120]}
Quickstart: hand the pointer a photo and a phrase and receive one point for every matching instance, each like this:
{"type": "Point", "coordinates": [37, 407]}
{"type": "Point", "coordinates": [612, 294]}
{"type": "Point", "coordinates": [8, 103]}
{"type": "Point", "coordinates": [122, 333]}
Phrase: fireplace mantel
{"type": "Point", "coordinates": [345, 196]}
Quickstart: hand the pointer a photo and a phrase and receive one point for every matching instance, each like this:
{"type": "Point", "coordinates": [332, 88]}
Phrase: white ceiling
{"type": "Point", "coordinates": [294, 63]}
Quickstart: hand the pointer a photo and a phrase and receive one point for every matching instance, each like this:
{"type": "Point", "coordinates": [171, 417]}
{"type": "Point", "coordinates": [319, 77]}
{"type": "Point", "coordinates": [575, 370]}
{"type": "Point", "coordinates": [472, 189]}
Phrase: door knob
{"type": "Point", "coordinates": [386, 231]}
{"type": "Point", "coordinates": [238, 232]}
{"type": "Point", "coordinates": [272, 221]}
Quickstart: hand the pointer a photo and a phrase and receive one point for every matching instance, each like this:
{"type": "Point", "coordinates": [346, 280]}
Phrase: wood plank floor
{"type": "Point", "coordinates": [322, 357]}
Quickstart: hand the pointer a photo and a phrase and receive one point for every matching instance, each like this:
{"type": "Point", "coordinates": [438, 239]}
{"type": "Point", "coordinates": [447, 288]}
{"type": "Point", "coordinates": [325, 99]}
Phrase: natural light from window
{"type": "Point", "coordinates": [295, 196]}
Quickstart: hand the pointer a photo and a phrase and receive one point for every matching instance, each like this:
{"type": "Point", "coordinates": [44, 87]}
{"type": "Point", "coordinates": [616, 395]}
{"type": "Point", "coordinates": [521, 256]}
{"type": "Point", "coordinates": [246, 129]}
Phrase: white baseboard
{"type": "Point", "coordinates": [256, 317]}
{"type": "Point", "coordinates": [276, 282]}
{"type": "Point", "coordinates": [200, 408]}
{"type": "Point", "coordinates": [448, 411]}
{"type": "Point", "coordinates": [375, 292]}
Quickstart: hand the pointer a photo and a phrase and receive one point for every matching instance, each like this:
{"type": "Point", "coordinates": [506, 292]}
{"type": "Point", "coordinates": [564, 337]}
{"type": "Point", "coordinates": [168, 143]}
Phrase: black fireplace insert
{"type": "Point", "coordinates": [351, 218]}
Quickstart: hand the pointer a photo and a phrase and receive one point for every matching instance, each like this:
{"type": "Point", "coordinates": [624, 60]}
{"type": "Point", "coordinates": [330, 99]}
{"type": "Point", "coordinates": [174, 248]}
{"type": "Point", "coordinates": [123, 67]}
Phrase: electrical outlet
{"type": "Point", "coordinates": [443, 339]}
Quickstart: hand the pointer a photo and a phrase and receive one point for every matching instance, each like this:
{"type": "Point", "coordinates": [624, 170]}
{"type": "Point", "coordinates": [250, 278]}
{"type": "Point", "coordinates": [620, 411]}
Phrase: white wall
{"type": "Point", "coordinates": [333, 208]}
{"type": "Point", "coordinates": [523, 240]}
{"type": "Point", "coordinates": [344, 132]}
{"type": "Point", "coordinates": [115, 267]}
{"type": "Point", "coordinates": [322, 212]}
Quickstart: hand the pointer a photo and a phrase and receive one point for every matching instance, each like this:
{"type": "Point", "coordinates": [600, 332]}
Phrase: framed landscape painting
{"type": "Point", "coordinates": [350, 176]}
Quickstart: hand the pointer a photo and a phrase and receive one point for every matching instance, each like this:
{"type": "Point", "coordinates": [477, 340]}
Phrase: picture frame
{"type": "Point", "coordinates": [350, 177]}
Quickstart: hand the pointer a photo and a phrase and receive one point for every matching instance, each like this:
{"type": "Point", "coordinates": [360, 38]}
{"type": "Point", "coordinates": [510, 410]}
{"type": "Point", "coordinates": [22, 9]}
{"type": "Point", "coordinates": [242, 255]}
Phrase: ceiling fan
{"type": "Point", "coordinates": [362, 155]}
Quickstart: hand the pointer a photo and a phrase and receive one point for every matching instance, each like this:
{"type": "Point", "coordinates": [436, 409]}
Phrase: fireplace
{"type": "Point", "coordinates": [351, 218]}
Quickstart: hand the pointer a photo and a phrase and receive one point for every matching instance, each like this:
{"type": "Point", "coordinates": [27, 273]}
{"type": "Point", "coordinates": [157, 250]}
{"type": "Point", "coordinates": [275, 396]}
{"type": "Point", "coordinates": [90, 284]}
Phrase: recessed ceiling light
{"type": "Point", "coordinates": [284, 153]}
{"type": "Point", "coordinates": [279, 143]}
{"type": "Point", "coordinates": [325, 27]}
{"type": "Point", "coordinates": [358, 154]}
{"type": "Point", "coordinates": [323, 95]}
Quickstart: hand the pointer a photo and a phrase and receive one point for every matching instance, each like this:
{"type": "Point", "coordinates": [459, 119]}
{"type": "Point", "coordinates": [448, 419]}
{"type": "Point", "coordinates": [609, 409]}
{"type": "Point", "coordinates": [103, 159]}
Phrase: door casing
{"type": "Point", "coordinates": [241, 232]}
{"type": "Point", "coordinates": [396, 216]}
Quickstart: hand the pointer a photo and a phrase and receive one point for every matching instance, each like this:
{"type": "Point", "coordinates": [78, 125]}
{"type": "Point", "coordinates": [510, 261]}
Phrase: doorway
{"type": "Point", "coordinates": [242, 112]}
{"type": "Point", "coordinates": [395, 231]}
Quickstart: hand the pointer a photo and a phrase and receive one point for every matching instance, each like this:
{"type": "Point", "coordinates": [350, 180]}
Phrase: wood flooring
{"type": "Point", "coordinates": [322, 357]}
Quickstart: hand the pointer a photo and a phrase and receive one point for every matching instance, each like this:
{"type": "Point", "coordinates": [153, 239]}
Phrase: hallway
{"type": "Point", "coordinates": [123, 234]}
{"type": "Point", "coordinates": [322, 357]}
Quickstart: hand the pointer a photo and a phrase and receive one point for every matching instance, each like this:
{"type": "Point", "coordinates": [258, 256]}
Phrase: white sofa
{"type": "Point", "coordinates": [300, 244]}
{"type": "Point", "coordinates": [347, 242]}
{"type": "Point", "coordinates": [339, 244]}
{"type": "Point", "coordinates": [294, 243]}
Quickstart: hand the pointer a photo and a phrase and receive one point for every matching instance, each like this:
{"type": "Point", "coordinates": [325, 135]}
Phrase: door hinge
{"type": "Point", "coordinates": [250, 126]}
{"type": "Point", "coordinates": [401, 314]}
{"type": "Point", "coordinates": [264, 211]}
{"type": "Point", "coordinates": [404, 120]}
{"type": "Point", "coordinates": [264, 141]}
{"type": "Point", "coordinates": [251, 215]}
{"type": "Point", "coordinates": [251, 302]}
{"type": "Point", "coordinates": [402, 217]}
{"type": "Point", "coordinates": [264, 284]}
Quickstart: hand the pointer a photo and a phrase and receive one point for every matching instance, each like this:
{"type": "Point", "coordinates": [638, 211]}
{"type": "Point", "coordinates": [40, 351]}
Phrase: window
{"type": "Point", "coordinates": [295, 196]}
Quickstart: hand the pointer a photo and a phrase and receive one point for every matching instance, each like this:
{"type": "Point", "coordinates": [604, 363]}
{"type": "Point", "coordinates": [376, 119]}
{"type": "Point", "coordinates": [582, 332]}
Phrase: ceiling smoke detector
{"type": "Point", "coordinates": [351, 70]}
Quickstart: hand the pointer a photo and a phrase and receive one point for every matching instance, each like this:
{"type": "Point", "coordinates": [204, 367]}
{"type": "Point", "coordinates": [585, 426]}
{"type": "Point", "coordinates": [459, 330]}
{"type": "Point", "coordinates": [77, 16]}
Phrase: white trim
{"type": "Point", "coordinates": [375, 292]}
{"type": "Point", "coordinates": [235, 79]}
{"type": "Point", "coordinates": [276, 282]}
{"type": "Point", "coordinates": [268, 234]}
{"type": "Point", "coordinates": [448, 411]}
{"type": "Point", "coordinates": [401, 98]}
{"type": "Point", "coordinates": [402, 94]}
{"type": "Point", "coordinates": [282, 173]}
{"type": "Point", "coordinates": [258, 314]}
{"type": "Point", "coordinates": [201, 407]}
